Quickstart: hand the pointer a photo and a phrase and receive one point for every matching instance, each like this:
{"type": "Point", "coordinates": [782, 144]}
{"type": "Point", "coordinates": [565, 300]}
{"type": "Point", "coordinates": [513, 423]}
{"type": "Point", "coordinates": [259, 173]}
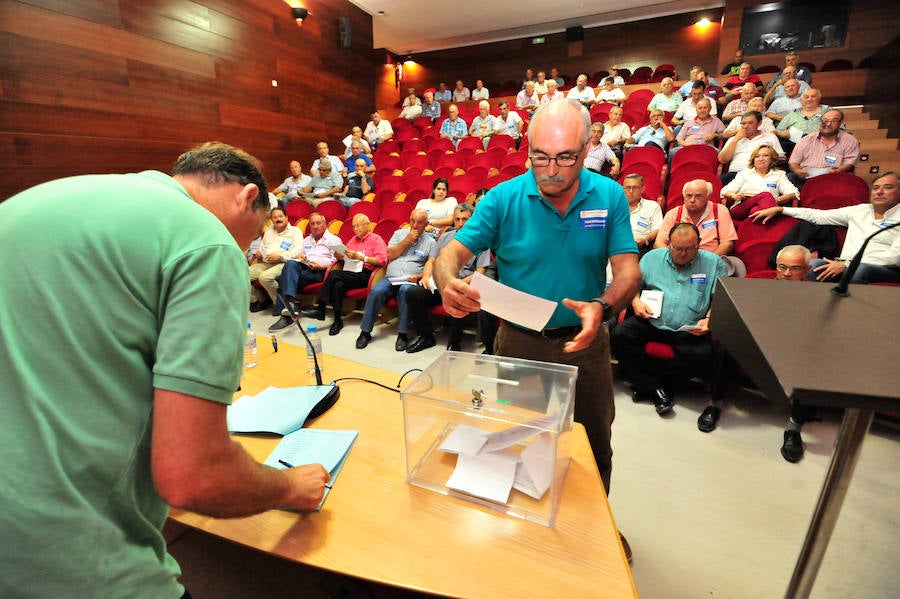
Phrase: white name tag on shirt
{"type": "Point", "coordinates": [593, 219]}
{"type": "Point", "coordinates": [698, 279]}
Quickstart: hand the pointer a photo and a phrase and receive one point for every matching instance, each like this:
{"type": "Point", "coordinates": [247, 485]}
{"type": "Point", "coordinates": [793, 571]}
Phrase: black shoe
{"type": "Point", "coordinates": [336, 327]}
{"type": "Point", "coordinates": [260, 306]}
{"type": "Point", "coordinates": [423, 342]}
{"type": "Point", "coordinates": [363, 340]}
{"type": "Point", "coordinates": [792, 449]}
{"type": "Point", "coordinates": [662, 401]}
{"type": "Point", "coordinates": [708, 419]}
{"type": "Point", "coordinates": [317, 313]}
{"type": "Point", "coordinates": [402, 342]}
{"type": "Point", "coordinates": [281, 324]}
{"type": "Point", "coordinates": [454, 347]}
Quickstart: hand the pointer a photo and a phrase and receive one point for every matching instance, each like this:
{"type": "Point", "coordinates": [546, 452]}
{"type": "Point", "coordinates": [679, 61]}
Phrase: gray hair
{"type": "Point", "coordinates": [709, 186]}
{"type": "Point", "coordinates": [795, 249]}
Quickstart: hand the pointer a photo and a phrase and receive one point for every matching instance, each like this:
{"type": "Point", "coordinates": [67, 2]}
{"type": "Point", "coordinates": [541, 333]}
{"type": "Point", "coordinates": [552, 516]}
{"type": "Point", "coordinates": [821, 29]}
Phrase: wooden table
{"type": "Point", "coordinates": [377, 527]}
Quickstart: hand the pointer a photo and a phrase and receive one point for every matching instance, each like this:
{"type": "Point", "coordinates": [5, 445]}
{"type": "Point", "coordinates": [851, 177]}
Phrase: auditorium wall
{"type": "Point", "coordinates": [126, 85]}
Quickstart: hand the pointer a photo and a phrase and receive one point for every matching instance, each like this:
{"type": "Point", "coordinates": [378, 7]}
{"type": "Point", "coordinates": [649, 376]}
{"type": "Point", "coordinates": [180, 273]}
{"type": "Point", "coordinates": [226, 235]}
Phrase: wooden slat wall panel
{"type": "Point", "coordinates": [21, 56]}
{"type": "Point", "coordinates": [18, 17]}
{"type": "Point", "coordinates": [124, 85]}
{"type": "Point", "coordinates": [668, 39]}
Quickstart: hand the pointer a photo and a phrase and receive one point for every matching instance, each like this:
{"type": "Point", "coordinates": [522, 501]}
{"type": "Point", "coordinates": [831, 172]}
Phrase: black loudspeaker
{"type": "Point", "coordinates": [575, 34]}
{"type": "Point", "coordinates": [345, 36]}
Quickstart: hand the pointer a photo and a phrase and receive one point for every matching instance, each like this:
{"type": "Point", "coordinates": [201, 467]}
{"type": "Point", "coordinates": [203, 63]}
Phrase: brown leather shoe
{"type": "Point", "coordinates": [626, 547]}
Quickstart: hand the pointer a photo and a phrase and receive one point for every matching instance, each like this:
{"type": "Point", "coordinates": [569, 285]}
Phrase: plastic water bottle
{"type": "Point", "coordinates": [251, 352]}
{"type": "Point", "coordinates": [316, 342]}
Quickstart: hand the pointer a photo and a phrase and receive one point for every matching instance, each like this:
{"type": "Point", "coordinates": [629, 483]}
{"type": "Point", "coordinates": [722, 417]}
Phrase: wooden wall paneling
{"type": "Point", "coordinates": [105, 12]}
{"type": "Point", "coordinates": [125, 85]}
{"type": "Point", "coordinates": [20, 117]}
{"type": "Point", "coordinates": [66, 91]}
{"type": "Point", "coordinates": [83, 153]}
{"type": "Point", "coordinates": [55, 27]}
{"type": "Point", "coordinates": [231, 84]}
{"type": "Point", "coordinates": [20, 56]}
{"type": "Point", "coordinates": [648, 42]}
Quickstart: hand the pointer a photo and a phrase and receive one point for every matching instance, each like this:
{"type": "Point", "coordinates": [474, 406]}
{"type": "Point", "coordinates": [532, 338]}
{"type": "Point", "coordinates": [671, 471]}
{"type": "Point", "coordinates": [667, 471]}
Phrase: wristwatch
{"type": "Point", "coordinates": [607, 309]}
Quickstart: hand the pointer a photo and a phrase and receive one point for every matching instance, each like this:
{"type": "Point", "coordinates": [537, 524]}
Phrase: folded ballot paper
{"type": "Point", "coordinates": [487, 466]}
{"type": "Point", "coordinates": [314, 446]}
{"type": "Point", "coordinates": [279, 411]}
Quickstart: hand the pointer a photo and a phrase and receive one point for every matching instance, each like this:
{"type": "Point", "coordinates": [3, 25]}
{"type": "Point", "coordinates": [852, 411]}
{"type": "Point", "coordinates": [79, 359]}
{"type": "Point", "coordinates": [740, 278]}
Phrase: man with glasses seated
{"type": "Point", "coordinates": [830, 150]}
{"type": "Point", "coordinates": [673, 307]}
{"type": "Point", "coordinates": [881, 258]}
{"type": "Point", "coordinates": [598, 153]}
{"type": "Point", "coordinates": [792, 263]}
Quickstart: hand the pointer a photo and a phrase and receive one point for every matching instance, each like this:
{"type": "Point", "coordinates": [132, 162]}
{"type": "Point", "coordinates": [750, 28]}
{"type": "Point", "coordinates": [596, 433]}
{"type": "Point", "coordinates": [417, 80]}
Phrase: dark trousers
{"type": "Point", "coordinates": [295, 276]}
{"type": "Point", "coordinates": [487, 330]}
{"type": "Point", "coordinates": [724, 369]}
{"type": "Point", "coordinates": [418, 300]}
{"type": "Point", "coordinates": [693, 354]}
{"type": "Point", "coordinates": [336, 286]}
{"type": "Point", "coordinates": [594, 405]}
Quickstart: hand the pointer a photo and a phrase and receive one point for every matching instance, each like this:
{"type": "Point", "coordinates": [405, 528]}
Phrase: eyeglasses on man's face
{"type": "Point", "coordinates": [562, 160]}
{"type": "Point", "coordinates": [792, 269]}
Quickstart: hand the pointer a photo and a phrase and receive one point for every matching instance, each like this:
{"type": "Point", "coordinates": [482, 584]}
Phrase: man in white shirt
{"type": "Point", "coordinates": [483, 125]}
{"type": "Point", "coordinates": [378, 130]}
{"type": "Point", "coordinates": [553, 92]}
{"type": "Point", "coordinates": [738, 149]}
{"type": "Point", "coordinates": [582, 92]}
{"type": "Point", "coordinates": [609, 92]}
{"type": "Point", "coordinates": [280, 243]}
{"type": "Point", "coordinates": [881, 258]}
{"type": "Point", "coordinates": [480, 92]}
{"type": "Point", "coordinates": [337, 165]}
{"type": "Point", "coordinates": [509, 122]}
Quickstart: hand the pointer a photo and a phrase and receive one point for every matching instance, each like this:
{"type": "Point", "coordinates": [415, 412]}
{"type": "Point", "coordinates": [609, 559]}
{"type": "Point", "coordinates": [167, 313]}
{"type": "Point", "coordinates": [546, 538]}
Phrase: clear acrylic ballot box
{"type": "Point", "coordinates": [492, 430]}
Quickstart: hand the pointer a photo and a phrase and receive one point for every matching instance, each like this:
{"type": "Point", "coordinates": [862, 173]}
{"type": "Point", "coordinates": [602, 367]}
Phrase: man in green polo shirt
{"type": "Point", "coordinates": [121, 348]}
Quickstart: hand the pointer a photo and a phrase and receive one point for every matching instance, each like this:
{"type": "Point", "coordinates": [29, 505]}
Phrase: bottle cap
{"type": "Point", "coordinates": [311, 328]}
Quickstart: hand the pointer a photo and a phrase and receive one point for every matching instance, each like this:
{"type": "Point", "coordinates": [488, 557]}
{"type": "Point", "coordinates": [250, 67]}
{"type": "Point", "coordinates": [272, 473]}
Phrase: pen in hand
{"type": "Point", "coordinates": [289, 465]}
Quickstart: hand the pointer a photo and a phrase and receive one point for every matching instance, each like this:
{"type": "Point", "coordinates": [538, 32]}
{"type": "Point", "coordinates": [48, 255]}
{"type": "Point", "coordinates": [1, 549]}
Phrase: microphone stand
{"type": "Point", "coordinates": [841, 288]}
{"type": "Point", "coordinates": [312, 349]}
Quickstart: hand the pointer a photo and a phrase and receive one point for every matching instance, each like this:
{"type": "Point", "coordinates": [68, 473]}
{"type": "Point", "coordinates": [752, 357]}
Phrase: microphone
{"type": "Point", "coordinates": [334, 392]}
{"type": "Point", "coordinates": [841, 288]}
{"type": "Point", "coordinates": [288, 311]}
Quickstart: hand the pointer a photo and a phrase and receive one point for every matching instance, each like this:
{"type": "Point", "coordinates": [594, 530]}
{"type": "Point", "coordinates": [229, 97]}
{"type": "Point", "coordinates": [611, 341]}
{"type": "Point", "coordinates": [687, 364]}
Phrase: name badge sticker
{"type": "Point", "coordinates": [698, 279]}
{"type": "Point", "coordinates": [593, 219]}
{"type": "Point", "coordinates": [418, 253]}
{"type": "Point", "coordinates": [695, 128]}
{"type": "Point", "coordinates": [285, 245]}
{"type": "Point", "coordinates": [708, 224]}
{"type": "Point", "coordinates": [307, 247]}
{"type": "Point", "coordinates": [771, 185]}
{"type": "Point", "coordinates": [643, 222]}
{"type": "Point", "coordinates": [831, 160]}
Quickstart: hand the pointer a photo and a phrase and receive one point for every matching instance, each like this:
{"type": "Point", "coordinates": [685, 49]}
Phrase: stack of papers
{"type": "Point", "coordinates": [487, 467]}
{"type": "Point", "coordinates": [279, 411]}
{"type": "Point", "coordinates": [314, 446]}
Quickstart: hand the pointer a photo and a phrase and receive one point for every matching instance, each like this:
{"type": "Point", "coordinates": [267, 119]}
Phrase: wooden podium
{"type": "Point", "coordinates": [799, 342]}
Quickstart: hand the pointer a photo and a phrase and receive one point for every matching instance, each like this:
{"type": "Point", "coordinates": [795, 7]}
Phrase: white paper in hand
{"type": "Point", "coordinates": [514, 306]}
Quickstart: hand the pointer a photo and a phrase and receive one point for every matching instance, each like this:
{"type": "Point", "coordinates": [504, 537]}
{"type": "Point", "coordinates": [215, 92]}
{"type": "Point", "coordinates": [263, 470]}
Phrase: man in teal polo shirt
{"type": "Point", "coordinates": [121, 348]}
{"type": "Point", "coordinates": [552, 230]}
{"type": "Point", "coordinates": [685, 276]}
